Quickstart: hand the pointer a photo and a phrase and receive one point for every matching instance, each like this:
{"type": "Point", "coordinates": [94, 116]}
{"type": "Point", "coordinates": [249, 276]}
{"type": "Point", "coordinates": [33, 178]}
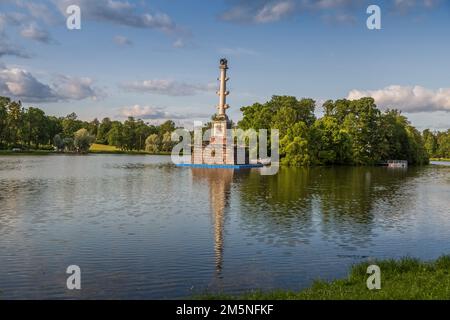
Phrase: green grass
{"type": "Point", "coordinates": [105, 149]}
{"type": "Point", "coordinates": [440, 159]}
{"type": "Point", "coordinates": [406, 279]}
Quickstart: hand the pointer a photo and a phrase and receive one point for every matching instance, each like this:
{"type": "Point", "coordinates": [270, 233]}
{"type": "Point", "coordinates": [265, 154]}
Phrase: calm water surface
{"type": "Point", "coordinates": [141, 228]}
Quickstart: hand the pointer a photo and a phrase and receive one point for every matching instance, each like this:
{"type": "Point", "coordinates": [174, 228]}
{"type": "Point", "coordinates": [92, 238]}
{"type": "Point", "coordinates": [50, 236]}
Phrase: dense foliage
{"type": "Point", "coordinates": [437, 143]}
{"type": "Point", "coordinates": [350, 132]}
{"type": "Point", "coordinates": [32, 129]}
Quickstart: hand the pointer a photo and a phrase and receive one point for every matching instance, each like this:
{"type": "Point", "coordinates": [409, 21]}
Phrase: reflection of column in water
{"type": "Point", "coordinates": [219, 181]}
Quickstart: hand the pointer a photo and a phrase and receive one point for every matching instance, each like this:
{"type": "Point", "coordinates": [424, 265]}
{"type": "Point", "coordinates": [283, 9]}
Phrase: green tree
{"type": "Point", "coordinates": [443, 150]}
{"type": "Point", "coordinates": [284, 118]}
{"type": "Point", "coordinates": [294, 147]}
{"type": "Point", "coordinates": [71, 124]}
{"type": "Point", "coordinates": [167, 143]}
{"type": "Point", "coordinates": [68, 144]}
{"type": "Point", "coordinates": [256, 116]}
{"type": "Point", "coordinates": [4, 102]}
{"type": "Point", "coordinates": [142, 131]}
{"type": "Point", "coordinates": [153, 143]}
{"type": "Point", "coordinates": [330, 144]}
{"type": "Point", "coordinates": [364, 127]}
{"type": "Point", "coordinates": [58, 142]}
{"type": "Point", "coordinates": [83, 140]}
{"type": "Point", "coordinates": [93, 127]}
{"type": "Point", "coordinates": [168, 126]}
{"type": "Point", "coordinates": [103, 130]}
{"type": "Point", "coordinates": [430, 141]}
{"type": "Point", "coordinates": [129, 134]}
{"type": "Point", "coordinates": [15, 122]}
{"type": "Point", "coordinates": [35, 127]}
{"type": "Point", "coordinates": [116, 136]}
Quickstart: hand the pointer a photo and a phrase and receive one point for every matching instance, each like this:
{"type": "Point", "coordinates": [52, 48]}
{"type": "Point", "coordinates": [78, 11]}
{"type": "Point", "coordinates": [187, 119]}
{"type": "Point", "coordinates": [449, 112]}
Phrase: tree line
{"type": "Point", "coordinates": [437, 143]}
{"type": "Point", "coordinates": [30, 128]}
{"type": "Point", "coordinates": [349, 132]}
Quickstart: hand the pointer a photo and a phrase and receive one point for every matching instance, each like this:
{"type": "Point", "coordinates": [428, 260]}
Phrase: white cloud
{"type": "Point", "coordinates": [337, 11]}
{"type": "Point", "coordinates": [10, 19]}
{"type": "Point", "coordinates": [179, 43]}
{"type": "Point", "coordinates": [38, 10]}
{"type": "Point", "coordinates": [405, 6]}
{"type": "Point", "coordinates": [259, 11]}
{"type": "Point", "coordinates": [329, 4]}
{"type": "Point", "coordinates": [266, 11]}
{"type": "Point", "coordinates": [122, 41]}
{"type": "Point", "coordinates": [152, 113]}
{"type": "Point", "coordinates": [237, 52]}
{"type": "Point", "coordinates": [407, 98]}
{"type": "Point", "coordinates": [33, 32]}
{"type": "Point", "coordinates": [340, 18]}
{"type": "Point", "coordinates": [121, 13]}
{"type": "Point", "coordinates": [274, 11]}
{"type": "Point", "coordinates": [29, 27]}
{"type": "Point", "coordinates": [20, 84]}
{"type": "Point", "coordinates": [9, 49]}
{"type": "Point", "coordinates": [76, 88]}
{"type": "Point", "coordinates": [166, 87]}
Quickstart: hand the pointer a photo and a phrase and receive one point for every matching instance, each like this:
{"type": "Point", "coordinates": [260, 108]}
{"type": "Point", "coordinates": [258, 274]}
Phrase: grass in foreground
{"type": "Point", "coordinates": [406, 279]}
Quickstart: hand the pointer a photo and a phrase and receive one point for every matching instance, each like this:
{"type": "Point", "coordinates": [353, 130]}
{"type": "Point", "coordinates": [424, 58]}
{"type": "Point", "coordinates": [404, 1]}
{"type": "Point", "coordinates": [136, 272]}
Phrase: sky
{"type": "Point", "coordinates": [158, 59]}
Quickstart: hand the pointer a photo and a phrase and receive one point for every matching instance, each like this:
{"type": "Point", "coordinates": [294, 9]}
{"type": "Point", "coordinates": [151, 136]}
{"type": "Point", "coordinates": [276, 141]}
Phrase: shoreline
{"type": "Point", "coordinates": [404, 279]}
{"type": "Point", "coordinates": [440, 159]}
{"type": "Point", "coordinates": [120, 152]}
{"type": "Point", "coordinates": [49, 153]}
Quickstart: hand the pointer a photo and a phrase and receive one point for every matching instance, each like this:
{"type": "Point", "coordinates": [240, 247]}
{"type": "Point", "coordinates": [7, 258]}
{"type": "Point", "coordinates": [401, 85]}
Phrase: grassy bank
{"type": "Point", "coordinates": [105, 149]}
{"type": "Point", "coordinates": [95, 149]}
{"type": "Point", "coordinates": [440, 159]}
{"type": "Point", "coordinates": [406, 279]}
{"type": "Point", "coordinates": [26, 153]}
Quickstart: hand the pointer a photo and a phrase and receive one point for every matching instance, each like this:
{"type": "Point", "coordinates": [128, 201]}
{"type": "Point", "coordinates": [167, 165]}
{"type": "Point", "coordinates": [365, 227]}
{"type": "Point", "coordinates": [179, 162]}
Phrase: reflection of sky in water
{"type": "Point", "coordinates": [142, 228]}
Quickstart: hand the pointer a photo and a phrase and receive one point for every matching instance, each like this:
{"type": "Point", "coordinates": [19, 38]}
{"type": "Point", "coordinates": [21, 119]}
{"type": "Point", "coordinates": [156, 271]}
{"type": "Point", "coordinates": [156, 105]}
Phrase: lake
{"type": "Point", "coordinates": [141, 228]}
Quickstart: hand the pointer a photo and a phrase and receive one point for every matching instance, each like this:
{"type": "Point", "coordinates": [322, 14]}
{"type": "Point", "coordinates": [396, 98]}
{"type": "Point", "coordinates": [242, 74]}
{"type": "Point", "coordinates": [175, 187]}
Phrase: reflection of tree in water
{"type": "Point", "coordinates": [342, 201]}
{"type": "Point", "coordinates": [277, 209]}
{"type": "Point", "coordinates": [219, 181]}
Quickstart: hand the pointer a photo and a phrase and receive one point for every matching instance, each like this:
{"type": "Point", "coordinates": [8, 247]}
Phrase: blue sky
{"type": "Point", "coordinates": [159, 59]}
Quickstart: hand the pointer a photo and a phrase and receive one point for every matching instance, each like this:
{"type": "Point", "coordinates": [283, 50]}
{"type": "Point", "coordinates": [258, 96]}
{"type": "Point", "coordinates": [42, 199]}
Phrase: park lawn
{"type": "Point", "coordinates": [405, 279]}
{"type": "Point", "coordinates": [440, 159]}
{"type": "Point", "coordinates": [103, 148]}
